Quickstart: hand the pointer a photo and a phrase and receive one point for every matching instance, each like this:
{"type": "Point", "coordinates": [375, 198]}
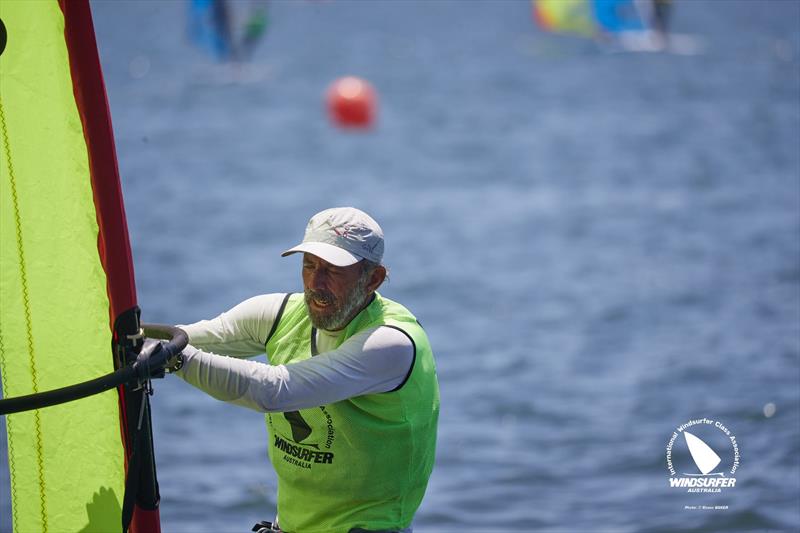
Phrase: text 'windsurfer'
{"type": "Point", "coordinates": [350, 392]}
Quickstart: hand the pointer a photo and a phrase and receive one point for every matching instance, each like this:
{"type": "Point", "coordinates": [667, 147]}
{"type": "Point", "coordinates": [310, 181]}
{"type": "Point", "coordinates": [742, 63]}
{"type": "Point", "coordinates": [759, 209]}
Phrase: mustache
{"type": "Point", "coordinates": [323, 296]}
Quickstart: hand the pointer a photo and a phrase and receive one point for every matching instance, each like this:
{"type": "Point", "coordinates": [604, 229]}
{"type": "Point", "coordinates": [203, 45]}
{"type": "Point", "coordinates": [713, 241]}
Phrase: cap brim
{"type": "Point", "coordinates": [328, 252]}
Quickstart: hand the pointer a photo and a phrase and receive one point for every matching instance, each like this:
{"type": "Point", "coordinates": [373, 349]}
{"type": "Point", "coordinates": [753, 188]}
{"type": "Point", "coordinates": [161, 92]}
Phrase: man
{"type": "Point", "coordinates": [350, 391]}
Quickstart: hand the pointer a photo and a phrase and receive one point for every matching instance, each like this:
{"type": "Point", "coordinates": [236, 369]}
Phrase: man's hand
{"type": "Point", "coordinates": [149, 355]}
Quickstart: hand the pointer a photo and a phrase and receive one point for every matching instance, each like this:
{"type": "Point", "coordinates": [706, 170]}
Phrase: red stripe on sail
{"type": "Point", "coordinates": [90, 97]}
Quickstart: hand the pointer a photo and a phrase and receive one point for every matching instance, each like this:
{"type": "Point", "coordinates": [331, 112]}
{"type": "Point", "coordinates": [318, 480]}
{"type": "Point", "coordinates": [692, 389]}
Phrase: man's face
{"type": "Point", "coordinates": [333, 294]}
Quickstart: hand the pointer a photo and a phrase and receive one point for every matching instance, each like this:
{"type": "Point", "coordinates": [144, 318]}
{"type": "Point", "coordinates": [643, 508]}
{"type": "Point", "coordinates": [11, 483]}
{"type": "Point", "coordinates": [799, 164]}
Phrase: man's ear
{"type": "Point", "coordinates": [376, 278]}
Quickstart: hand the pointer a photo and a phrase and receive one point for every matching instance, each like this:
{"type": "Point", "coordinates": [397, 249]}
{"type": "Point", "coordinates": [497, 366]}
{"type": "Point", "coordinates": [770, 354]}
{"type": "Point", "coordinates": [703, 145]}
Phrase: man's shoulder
{"type": "Point", "coordinates": [394, 311]}
{"type": "Point", "coordinates": [268, 298]}
{"type": "Point", "coordinates": [260, 307]}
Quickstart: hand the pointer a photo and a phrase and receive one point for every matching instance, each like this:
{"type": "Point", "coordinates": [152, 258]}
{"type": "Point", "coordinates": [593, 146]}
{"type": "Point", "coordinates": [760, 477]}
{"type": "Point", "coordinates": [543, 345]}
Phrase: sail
{"type": "Point", "coordinates": [210, 27]}
{"type": "Point", "coordinates": [615, 16]}
{"type": "Point", "coordinates": [66, 276]}
{"type": "Point", "coordinates": [589, 18]}
{"type": "Point", "coordinates": [230, 30]}
{"type": "Point", "coordinates": [565, 16]}
{"type": "Point", "coordinates": [704, 457]}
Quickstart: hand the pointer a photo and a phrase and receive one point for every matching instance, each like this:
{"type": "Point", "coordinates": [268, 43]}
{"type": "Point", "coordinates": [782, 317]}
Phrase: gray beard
{"type": "Point", "coordinates": [342, 310]}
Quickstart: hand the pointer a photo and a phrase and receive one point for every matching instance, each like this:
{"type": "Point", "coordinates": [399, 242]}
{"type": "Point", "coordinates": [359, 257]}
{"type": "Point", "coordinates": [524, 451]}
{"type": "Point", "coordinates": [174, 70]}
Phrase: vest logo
{"type": "Point", "coordinates": [703, 459]}
{"type": "Point", "coordinates": [300, 429]}
{"type": "Point", "coordinates": [306, 447]}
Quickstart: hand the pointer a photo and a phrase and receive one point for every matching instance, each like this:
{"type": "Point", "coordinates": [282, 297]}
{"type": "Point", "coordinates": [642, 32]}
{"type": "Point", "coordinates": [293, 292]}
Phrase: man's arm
{"type": "Point", "coordinates": [240, 332]}
{"type": "Point", "coordinates": [376, 360]}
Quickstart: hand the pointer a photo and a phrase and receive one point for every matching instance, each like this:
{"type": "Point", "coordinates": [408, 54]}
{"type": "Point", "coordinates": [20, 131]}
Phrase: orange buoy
{"type": "Point", "coordinates": [351, 103]}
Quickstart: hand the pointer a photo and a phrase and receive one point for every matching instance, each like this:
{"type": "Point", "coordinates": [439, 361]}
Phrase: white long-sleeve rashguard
{"type": "Point", "coordinates": [373, 361]}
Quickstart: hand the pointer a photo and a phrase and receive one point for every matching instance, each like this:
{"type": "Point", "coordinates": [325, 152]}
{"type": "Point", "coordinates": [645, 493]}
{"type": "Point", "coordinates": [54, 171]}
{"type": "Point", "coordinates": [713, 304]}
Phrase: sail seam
{"type": "Point", "coordinates": [28, 321]}
{"type": "Point", "coordinates": [12, 468]}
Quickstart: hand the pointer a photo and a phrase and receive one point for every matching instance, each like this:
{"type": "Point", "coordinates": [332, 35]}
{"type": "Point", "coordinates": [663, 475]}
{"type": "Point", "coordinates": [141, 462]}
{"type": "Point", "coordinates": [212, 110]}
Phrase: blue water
{"type": "Point", "coordinates": [601, 244]}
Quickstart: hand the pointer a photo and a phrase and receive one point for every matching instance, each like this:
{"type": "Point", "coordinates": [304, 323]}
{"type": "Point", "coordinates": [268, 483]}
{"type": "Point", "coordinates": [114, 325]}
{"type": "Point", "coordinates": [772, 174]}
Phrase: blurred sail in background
{"type": "Point", "coordinates": [228, 30]}
{"type": "Point", "coordinates": [615, 16]}
{"type": "Point", "coordinates": [565, 16]}
{"type": "Point", "coordinates": [635, 25]}
{"type": "Point", "coordinates": [591, 17]}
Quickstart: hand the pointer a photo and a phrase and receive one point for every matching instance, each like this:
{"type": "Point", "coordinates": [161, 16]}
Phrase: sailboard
{"type": "Point", "coordinates": [704, 457]}
{"type": "Point", "coordinates": [68, 309]}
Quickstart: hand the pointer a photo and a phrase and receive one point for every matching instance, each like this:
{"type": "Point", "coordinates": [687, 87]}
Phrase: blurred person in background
{"type": "Point", "coordinates": [350, 391]}
{"type": "Point", "coordinates": [661, 12]}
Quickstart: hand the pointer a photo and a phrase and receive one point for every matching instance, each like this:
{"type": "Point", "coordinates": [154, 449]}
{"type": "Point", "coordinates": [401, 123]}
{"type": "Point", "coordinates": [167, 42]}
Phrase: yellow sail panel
{"type": "Point", "coordinates": [565, 16]}
{"type": "Point", "coordinates": [66, 462]}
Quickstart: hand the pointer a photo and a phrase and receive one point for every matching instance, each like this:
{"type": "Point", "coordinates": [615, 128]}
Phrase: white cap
{"type": "Point", "coordinates": [342, 236]}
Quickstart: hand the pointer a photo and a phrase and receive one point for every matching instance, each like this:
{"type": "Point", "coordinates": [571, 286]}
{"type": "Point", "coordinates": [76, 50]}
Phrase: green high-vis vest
{"type": "Point", "coordinates": [363, 462]}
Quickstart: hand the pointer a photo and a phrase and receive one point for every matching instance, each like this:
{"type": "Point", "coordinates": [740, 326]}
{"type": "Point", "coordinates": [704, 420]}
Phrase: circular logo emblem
{"type": "Point", "coordinates": [702, 456]}
{"type": "Point", "coordinates": [304, 440]}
